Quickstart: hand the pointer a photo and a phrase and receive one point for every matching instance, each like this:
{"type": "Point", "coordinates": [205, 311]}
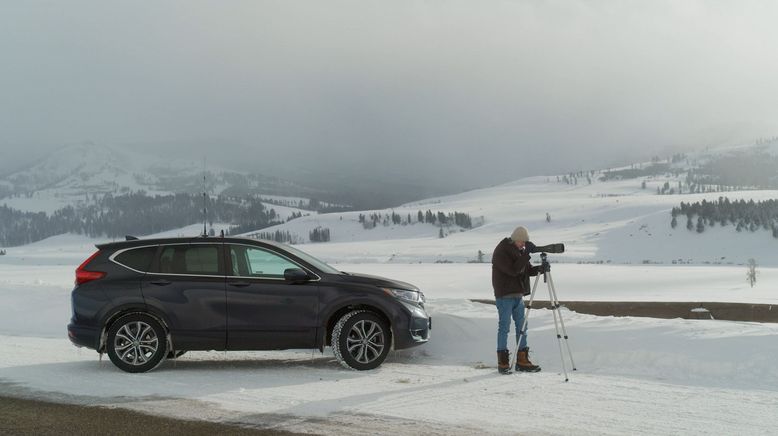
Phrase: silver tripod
{"type": "Point", "coordinates": [558, 321]}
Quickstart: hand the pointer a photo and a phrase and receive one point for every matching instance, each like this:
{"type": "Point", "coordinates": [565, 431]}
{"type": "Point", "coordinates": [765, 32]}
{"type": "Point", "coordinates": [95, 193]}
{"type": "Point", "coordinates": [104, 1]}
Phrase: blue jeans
{"type": "Point", "coordinates": [507, 307]}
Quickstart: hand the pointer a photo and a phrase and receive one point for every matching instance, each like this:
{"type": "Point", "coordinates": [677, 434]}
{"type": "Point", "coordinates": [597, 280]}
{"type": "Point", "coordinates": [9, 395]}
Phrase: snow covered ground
{"type": "Point", "coordinates": [635, 375]}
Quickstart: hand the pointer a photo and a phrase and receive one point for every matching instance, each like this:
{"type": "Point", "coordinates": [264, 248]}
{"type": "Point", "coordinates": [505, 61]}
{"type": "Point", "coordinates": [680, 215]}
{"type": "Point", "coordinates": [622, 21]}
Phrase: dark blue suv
{"type": "Point", "coordinates": [142, 301]}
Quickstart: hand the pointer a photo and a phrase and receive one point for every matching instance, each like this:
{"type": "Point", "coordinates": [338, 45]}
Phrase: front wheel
{"type": "Point", "coordinates": [136, 343]}
{"type": "Point", "coordinates": [361, 340]}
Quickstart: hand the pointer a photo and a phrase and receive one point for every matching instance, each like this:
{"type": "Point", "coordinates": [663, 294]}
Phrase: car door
{"type": "Point", "coordinates": [264, 311]}
{"type": "Point", "coordinates": [187, 285]}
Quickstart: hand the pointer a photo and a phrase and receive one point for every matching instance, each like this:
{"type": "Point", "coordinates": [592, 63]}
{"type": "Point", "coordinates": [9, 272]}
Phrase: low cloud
{"type": "Point", "coordinates": [480, 92]}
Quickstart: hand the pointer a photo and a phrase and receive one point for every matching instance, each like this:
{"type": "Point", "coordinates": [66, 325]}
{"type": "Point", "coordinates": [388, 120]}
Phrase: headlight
{"type": "Point", "coordinates": [404, 294]}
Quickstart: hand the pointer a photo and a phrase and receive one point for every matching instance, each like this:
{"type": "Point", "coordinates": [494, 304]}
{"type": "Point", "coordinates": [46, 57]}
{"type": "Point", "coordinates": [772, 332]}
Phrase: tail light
{"type": "Point", "coordinates": [83, 276]}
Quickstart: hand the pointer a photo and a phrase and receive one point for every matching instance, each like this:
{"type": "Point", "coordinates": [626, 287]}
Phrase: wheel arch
{"type": "Point", "coordinates": [117, 314]}
{"type": "Point", "coordinates": [333, 318]}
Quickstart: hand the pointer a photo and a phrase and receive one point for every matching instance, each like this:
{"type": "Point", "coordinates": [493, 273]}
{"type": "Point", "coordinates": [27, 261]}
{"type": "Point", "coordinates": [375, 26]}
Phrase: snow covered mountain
{"type": "Point", "coordinates": [74, 173]}
{"type": "Point", "coordinates": [80, 167]}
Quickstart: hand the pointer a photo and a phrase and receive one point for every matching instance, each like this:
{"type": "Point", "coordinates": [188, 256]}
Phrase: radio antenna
{"type": "Point", "coordinates": [205, 196]}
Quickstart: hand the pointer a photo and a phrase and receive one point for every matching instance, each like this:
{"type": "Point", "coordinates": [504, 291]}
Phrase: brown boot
{"type": "Point", "coordinates": [503, 362]}
{"type": "Point", "coordinates": [522, 362]}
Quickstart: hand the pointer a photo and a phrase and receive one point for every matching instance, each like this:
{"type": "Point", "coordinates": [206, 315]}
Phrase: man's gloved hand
{"type": "Point", "coordinates": [546, 267]}
{"type": "Point", "coordinates": [529, 247]}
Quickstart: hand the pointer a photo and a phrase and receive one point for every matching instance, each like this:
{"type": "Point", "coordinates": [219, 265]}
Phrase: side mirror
{"type": "Point", "coordinates": [295, 275]}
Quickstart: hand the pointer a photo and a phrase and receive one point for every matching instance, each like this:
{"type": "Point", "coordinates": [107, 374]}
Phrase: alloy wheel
{"type": "Point", "coordinates": [365, 341]}
{"type": "Point", "coordinates": [136, 343]}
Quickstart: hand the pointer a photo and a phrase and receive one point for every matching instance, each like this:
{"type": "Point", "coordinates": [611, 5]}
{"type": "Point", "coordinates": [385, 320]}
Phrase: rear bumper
{"type": "Point", "coordinates": [82, 336]}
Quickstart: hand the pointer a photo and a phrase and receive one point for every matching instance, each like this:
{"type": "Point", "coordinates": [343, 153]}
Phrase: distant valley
{"type": "Point", "coordinates": [635, 214]}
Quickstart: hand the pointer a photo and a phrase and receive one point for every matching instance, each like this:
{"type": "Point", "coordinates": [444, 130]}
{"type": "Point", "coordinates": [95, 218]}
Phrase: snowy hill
{"type": "Point", "coordinates": [93, 169]}
{"type": "Point", "coordinates": [75, 173]}
{"type": "Point", "coordinates": [612, 216]}
{"type": "Point", "coordinates": [617, 221]}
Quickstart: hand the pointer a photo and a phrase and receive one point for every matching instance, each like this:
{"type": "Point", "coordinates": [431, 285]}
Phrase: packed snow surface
{"type": "Point", "coordinates": [635, 375]}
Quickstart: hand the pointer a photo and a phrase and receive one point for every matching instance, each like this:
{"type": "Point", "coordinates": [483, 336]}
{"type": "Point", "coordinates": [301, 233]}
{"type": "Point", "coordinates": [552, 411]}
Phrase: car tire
{"type": "Point", "coordinates": [361, 340]}
{"type": "Point", "coordinates": [136, 343]}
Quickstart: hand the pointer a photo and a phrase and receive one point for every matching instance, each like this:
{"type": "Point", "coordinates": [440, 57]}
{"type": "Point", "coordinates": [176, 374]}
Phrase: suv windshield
{"type": "Point", "coordinates": [311, 260]}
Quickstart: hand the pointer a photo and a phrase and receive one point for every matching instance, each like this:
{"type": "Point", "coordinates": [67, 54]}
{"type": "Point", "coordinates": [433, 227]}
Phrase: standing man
{"type": "Point", "coordinates": [511, 270]}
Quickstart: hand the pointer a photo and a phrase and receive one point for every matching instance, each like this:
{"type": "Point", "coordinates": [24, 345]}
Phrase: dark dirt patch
{"type": "Point", "coordinates": [33, 417]}
{"type": "Point", "coordinates": [667, 310]}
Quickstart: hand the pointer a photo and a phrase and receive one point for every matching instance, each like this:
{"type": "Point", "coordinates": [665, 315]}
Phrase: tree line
{"type": "Point", "coordinates": [744, 170]}
{"type": "Point", "coordinates": [742, 215]}
{"type": "Point", "coordinates": [136, 213]}
{"type": "Point", "coordinates": [460, 219]}
{"type": "Point", "coordinates": [635, 171]}
{"type": "Point", "coordinates": [312, 204]}
{"type": "Point", "coordinates": [284, 237]}
{"type": "Point", "coordinates": [572, 178]}
{"type": "Point", "coordinates": [319, 234]}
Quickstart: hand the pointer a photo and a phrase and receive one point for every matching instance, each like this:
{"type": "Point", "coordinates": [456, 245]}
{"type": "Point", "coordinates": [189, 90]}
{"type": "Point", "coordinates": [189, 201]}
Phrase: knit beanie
{"type": "Point", "coordinates": [520, 234]}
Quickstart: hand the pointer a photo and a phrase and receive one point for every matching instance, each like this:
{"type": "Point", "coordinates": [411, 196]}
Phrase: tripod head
{"type": "Point", "coordinates": [550, 248]}
{"type": "Point", "coordinates": [545, 265]}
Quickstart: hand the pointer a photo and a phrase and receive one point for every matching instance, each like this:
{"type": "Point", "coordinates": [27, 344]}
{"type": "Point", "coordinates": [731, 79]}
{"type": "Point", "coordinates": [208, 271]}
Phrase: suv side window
{"type": "Point", "coordinates": [194, 259]}
{"type": "Point", "coordinates": [138, 259]}
{"type": "Point", "coordinates": [256, 262]}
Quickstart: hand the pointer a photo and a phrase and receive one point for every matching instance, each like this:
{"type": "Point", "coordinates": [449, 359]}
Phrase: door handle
{"type": "Point", "coordinates": [161, 282]}
{"type": "Point", "coordinates": [239, 284]}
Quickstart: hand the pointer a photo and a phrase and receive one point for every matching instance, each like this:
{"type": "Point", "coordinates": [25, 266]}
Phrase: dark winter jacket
{"type": "Point", "coordinates": [511, 270]}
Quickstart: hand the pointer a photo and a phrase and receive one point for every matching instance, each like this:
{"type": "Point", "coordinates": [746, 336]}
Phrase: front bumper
{"type": "Point", "coordinates": [421, 329]}
{"type": "Point", "coordinates": [417, 331]}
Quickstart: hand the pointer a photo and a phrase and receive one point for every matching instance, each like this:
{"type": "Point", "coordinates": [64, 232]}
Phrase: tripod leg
{"type": "Point", "coordinates": [561, 321]}
{"type": "Point", "coordinates": [523, 331]}
{"type": "Point", "coordinates": [554, 311]}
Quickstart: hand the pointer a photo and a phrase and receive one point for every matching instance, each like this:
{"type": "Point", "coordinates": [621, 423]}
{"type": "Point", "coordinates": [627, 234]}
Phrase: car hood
{"type": "Point", "coordinates": [376, 281]}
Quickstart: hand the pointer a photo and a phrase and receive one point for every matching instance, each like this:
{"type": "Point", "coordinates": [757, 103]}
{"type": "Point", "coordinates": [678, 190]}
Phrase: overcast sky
{"type": "Point", "coordinates": [485, 91]}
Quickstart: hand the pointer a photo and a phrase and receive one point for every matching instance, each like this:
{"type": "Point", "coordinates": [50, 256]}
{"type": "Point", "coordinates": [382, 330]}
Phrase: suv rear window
{"type": "Point", "coordinates": [138, 259]}
{"type": "Point", "coordinates": [189, 259]}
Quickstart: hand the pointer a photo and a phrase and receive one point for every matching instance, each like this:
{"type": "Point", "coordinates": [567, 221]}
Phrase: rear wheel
{"type": "Point", "coordinates": [136, 343]}
{"type": "Point", "coordinates": [361, 340]}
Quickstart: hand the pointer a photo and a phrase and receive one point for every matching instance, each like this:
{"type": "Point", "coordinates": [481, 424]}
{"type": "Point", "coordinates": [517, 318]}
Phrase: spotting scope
{"type": "Point", "coordinates": [550, 248]}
